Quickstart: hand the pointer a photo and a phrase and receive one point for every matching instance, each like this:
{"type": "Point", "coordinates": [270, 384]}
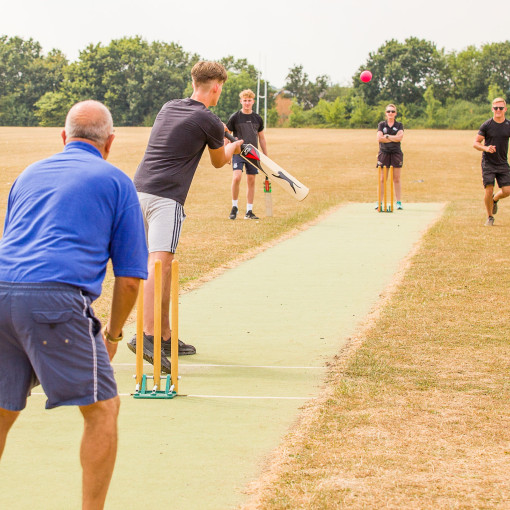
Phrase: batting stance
{"type": "Point", "coordinates": [182, 130]}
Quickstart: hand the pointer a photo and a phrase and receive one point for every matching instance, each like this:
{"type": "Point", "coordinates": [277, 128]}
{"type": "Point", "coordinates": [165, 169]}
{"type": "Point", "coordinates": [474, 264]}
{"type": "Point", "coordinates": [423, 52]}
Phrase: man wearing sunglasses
{"type": "Point", "coordinates": [492, 140]}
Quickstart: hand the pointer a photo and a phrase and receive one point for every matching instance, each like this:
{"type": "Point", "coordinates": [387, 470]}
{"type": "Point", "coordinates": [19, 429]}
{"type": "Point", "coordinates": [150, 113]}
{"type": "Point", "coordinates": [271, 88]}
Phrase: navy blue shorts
{"type": "Point", "coordinates": [49, 334]}
{"type": "Point", "coordinates": [238, 163]}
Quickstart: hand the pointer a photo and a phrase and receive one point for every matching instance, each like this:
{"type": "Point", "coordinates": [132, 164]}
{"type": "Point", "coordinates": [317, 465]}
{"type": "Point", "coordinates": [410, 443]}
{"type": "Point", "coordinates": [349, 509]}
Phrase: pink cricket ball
{"type": "Point", "coordinates": [365, 76]}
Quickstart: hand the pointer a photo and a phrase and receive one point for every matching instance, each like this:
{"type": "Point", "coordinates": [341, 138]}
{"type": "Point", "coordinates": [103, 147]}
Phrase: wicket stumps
{"type": "Point", "coordinates": [382, 185]}
{"type": "Point", "coordinates": [171, 383]}
{"type": "Point", "coordinates": [268, 198]}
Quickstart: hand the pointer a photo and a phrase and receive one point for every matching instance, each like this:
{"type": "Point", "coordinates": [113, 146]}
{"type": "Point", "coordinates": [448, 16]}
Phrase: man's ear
{"type": "Point", "coordinates": [63, 135]}
{"type": "Point", "coordinates": [108, 145]}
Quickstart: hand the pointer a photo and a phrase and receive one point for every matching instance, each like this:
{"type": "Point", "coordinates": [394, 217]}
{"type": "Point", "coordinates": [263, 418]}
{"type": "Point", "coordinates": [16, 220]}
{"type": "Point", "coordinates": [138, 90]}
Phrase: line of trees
{"type": "Point", "coordinates": [134, 78]}
{"type": "Point", "coordinates": [431, 88]}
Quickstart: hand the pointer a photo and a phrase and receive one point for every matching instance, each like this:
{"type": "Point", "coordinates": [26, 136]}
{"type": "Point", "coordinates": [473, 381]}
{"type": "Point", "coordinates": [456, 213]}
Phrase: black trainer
{"type": "Point", "coordinates": [250, 216]}
{"type": "Point", "coordinates": [148, 352]}
{"type": "Point", "coordinates": [494, 206]}
{"type": "Point", "coordinates": [233, 213]}
{"type": "Point", "coordinates": [184, 349]}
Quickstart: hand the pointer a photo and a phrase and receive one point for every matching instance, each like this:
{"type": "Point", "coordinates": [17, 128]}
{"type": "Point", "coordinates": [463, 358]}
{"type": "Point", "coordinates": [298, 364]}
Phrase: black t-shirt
{"type": "Point", "coordinates": [181, 131]}
{"type": "Point", "coordinates": [246, 126]}
{"type": "Point", "coordinates": [387, 130]}
{"type": "Point", "coordinates": [497, 134]}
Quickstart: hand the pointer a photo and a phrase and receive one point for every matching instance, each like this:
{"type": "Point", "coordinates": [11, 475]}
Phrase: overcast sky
{"type": "Point", "coordinates": [332, 37]}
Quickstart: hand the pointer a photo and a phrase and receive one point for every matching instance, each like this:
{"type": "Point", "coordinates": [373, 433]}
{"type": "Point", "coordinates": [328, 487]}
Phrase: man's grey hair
{"type": "Point", "coordinates": [90, 120]}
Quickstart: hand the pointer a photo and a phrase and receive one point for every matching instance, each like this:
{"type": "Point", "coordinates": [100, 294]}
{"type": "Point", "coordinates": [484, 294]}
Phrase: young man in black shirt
{"type": "Point", "coordinates": [248, 126]}
{"type": "Point", "coordinates": [182, 130]}
{"type": "Point", "coordinates": [492, 140]}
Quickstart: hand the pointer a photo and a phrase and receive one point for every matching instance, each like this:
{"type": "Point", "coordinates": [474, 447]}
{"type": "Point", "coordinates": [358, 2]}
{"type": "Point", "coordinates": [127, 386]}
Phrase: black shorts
{"type": "Point", "coordinates": [394, 159]}
{"type": "Point", "coordinates": [491, 173]}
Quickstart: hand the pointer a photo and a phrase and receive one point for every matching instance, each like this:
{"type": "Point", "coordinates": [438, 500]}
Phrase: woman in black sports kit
{"type": "Point", "coordinates": [389, 135]}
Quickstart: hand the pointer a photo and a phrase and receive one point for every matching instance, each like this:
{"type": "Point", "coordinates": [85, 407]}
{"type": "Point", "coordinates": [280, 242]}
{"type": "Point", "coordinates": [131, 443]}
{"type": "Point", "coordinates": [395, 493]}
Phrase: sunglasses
{"type": "Point", "coordinates": [390, 111]}
{"type": "Point", "coordinates": [498, 107]}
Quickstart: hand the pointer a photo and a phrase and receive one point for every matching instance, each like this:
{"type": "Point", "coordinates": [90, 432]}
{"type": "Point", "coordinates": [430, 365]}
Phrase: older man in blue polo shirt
{"type": "Point", "coordinates": [66, 217]}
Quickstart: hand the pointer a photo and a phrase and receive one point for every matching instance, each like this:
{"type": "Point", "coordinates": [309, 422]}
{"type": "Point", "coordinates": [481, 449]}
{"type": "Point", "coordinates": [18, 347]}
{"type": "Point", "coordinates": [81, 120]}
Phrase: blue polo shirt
{"type": "Point", "coordinates": [67, 216]}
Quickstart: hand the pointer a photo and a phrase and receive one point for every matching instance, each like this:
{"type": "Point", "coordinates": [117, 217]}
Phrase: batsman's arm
{"type": "Point", "coordinates": [220, 157]}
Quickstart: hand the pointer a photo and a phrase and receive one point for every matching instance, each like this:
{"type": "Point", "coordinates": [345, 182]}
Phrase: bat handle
{"type": "Point", "coordinates": [230, 137]}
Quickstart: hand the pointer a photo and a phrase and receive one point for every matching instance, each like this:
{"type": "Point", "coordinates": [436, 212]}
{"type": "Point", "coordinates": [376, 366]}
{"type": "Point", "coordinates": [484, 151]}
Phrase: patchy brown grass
{"type": "Point", "coordinates": [415, 410]}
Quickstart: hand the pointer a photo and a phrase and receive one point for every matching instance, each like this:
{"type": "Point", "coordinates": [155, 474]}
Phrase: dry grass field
{"type": "Point", "coordinates": [415, 412]}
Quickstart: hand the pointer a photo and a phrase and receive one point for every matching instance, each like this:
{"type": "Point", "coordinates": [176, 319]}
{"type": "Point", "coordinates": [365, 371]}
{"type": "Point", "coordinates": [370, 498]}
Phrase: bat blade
{"type": "Point", "coordinates": [273, 171]}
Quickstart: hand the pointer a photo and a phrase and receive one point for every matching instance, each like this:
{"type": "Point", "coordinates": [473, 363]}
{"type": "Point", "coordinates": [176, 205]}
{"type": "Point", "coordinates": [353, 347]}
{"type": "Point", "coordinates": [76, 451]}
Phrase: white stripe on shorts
{"type": "Point", "coordinates": [93, 343]}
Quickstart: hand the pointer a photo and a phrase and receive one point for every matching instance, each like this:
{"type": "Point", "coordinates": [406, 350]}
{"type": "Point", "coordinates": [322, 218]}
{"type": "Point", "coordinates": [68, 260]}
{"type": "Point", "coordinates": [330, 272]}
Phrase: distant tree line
{"type": "Point", "coordinates": [431, 88]}
{"type": "Point", "coordinates": [134, 78]}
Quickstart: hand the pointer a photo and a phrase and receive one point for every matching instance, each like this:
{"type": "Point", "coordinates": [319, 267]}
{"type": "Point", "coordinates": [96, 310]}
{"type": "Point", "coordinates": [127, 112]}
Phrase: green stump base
{"type": "Point", "coordinates": [167, 393]}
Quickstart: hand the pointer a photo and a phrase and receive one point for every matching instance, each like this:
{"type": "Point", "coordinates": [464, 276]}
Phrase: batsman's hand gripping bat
{"type": "Point", "coordinates": [274, 172]}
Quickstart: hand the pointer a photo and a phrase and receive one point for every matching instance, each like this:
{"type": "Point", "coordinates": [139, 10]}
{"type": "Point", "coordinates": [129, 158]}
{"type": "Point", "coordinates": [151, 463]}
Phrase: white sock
{"type": "Point", "coordinates": [234, 203]}
{"type": "Point", "coordinates": [249, 207]}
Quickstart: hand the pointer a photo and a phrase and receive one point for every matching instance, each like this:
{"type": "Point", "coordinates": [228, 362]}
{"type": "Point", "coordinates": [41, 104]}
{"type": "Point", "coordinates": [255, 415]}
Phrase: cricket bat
{"type": "Point", "coordinates": [272, 171]}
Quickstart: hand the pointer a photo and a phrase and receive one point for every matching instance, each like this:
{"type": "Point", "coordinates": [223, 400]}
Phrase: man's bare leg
{"type": "Point", "coordinates": [502, 193]}
{"type": "Point", "coordinates": [7, 419]}
{"type": "Point", "coordinates": [236, 182]}
{"type": "Point", "coordinates": [250, 192]}
{"type": "Point", "coordinates": [98, 450]}
{"type": "Point", "coordinates": [488, 201]}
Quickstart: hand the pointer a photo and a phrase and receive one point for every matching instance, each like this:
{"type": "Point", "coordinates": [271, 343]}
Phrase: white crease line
{"type": "Point", "coordinates": [247, 397]}
{"type": "Point", "coordinates": [228, 366]}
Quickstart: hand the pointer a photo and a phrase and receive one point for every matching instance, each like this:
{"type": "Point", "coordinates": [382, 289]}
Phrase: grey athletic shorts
{"type": "Point", "coordinates": [163, 219]}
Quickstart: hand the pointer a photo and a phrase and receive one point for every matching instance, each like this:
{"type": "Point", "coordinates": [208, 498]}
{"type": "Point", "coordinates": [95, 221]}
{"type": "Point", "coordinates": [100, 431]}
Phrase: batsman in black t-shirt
{"type": "Point", "coordinates": [492, 140]}
{"type": "Point", "coordinates": [181, 132]}
{"type": "Point", "coordinates": [248, 126]}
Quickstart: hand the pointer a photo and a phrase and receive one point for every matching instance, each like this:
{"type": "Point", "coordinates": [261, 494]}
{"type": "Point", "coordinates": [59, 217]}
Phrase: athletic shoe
{"type": "Point", "coordinates": [494, 206]}
{"type": "Point", "coordinates": [148, 352]}
{"type": "Point", "coordinates": [489, 222]}
{"type": "Point", "coordinates": [233, 213]}
{"type": "Point", "coordinates": [250, 216]}
{"type": "Point", "coordinates": [399, 206]}
{"type": "Point", "coordinates": [184, 349]}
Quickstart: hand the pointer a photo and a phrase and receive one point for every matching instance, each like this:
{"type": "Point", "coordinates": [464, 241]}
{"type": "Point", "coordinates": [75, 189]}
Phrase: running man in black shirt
{"type": "Point", "coordinates": [249, 126]}
{"type": "Point", "coordinates": [494, 133]}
